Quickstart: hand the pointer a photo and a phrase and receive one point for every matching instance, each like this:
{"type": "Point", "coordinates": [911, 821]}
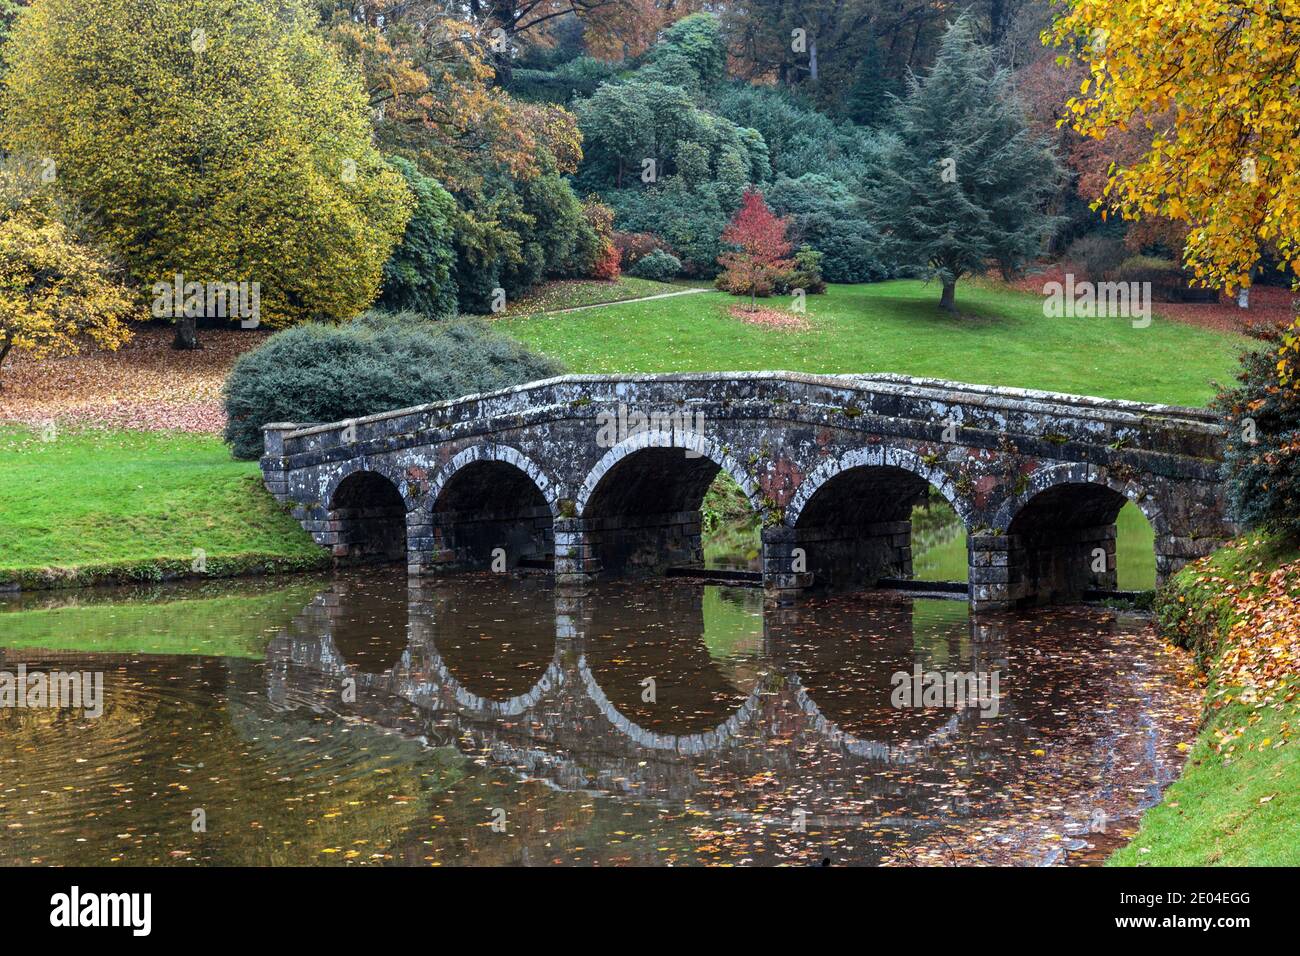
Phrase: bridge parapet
{"type": "Point", "coordinates": [1053, 416]}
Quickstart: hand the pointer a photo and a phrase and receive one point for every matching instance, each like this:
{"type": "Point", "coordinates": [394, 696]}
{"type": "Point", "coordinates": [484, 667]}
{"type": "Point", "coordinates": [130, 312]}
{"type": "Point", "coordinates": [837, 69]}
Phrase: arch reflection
{"type": "Point", "coordinates": [757, 712]}
{"type": "Point", "coordinates": [665, 668]}
{"type": "Point", "coordinates": [845, 658]}
{"type": "Point", "coordinates": [669, 676]}
{"type": "Point", "coordinates": [485, 645]}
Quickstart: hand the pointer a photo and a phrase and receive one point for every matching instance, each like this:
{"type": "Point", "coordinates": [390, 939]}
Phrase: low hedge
{"type": "Point", "coordinates": [377, 363]}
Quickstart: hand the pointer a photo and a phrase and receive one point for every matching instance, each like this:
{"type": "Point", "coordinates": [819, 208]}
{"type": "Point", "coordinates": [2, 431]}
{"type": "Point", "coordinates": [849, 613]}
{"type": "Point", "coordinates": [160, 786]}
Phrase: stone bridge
{"type": "Point", "coordinates": [605, 475]}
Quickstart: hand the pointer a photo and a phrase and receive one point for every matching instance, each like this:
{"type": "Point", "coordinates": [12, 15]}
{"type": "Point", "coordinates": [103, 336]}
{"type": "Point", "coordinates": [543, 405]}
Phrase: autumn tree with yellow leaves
{"type": "Point", "coordinates": [1221, 77]}
{"type": "Point", "coordinates": [224, 141]}
{"type": "Point", "coordinates": [56, 292]}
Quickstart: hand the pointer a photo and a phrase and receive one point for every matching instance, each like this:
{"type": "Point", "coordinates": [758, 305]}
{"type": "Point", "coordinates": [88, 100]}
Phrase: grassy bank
{"type": "Point", "coordinates": [99, 506]}
{"type": "Point", "coordinates": [1238, 799]}
{"type": "Point", "coordinates": [1002, 338]}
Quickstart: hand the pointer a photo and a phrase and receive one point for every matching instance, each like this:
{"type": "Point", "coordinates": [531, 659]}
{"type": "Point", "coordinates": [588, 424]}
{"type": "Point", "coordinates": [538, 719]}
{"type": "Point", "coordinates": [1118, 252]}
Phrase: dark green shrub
{"type": "Point", "coordinates": [658, 265]}
{"type": "Point", "coordinates": [798, 139]}
{"type": "Point", "coordinates": [1262, 454]}
{"type": "Point", "coordinates": [377, 363]}
{"type": "Point", "coordinates": [1097, 256]}
{"type": "Point", "coordinates": [689, 219]}
{"type": "Point", "coordinates": [515, 233]}
{"type": "Point", "coordinates": [562, 84]}
{"type": "Point", "coordinates": [635, 246]}
{"type": "Point", "coordinates": [556, 240]}
{"type": "Point", "coordinates": [806, 274]}
{"type": "Point", "coordinates": [1165, 275]}
{"type": "Point", "coordinates": [1169, 281]}
{"type": "Point", "coordinates": [418, 275]}
{"type": "Point", "coordinates": [595, 255]}
{"type": "Point", "coordinates": [826, 216]}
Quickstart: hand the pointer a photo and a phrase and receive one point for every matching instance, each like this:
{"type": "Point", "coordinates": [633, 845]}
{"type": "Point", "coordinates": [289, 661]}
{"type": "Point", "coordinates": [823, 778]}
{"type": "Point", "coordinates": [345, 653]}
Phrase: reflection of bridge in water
{"type": "Point", "coordinates": [544, 681]}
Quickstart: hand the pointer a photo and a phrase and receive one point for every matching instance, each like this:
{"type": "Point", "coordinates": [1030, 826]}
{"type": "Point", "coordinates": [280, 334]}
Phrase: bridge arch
{"type": "Point", "coordinates": [1055, 476]}
{"type": "Point", "coordinates": [692, 442]}
{"type": "Point", "coordinates": [852, 515]}
{"type": "Point", "coordinates": [488, 497]}
{"type": "Point", "coordinates": [1061, 531]}
{"type": "Point", "coordinates": [640, 504]}
{"type": "Point", "coordinates": [367, 503]}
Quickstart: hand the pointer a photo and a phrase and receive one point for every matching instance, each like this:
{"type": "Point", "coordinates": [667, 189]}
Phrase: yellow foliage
{"type": "Point", "coordinates": [221, 140]}
{"type": "Point", "coordinates": [1229, 165]}
{"type": "Point", "coordinates": [55, 291]}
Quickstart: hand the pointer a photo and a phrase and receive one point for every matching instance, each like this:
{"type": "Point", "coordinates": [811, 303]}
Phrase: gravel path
{"type": "Point", "coordinates": [644, 298]}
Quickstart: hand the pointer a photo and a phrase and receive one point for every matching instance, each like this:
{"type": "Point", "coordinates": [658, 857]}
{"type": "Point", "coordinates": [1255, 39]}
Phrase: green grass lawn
{"type": "Point", "coordinates": [1003, 338]}
{"type": "Point", "coordinates": [98, 501]}
{"type": "Point", "coordinates": [1238, 808]}
{"type": "Point", "coordinates": [939, 554]}
{"type": "Point", "coordinates": [1219, 813]}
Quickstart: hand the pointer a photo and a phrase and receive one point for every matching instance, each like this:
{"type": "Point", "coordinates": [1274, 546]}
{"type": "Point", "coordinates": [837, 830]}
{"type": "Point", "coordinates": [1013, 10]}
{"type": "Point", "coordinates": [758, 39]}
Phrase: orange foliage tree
{"type": "Point", "coordinates": [761, 253]}
{"type": "Point", "coordinates": [429, 77]}
{"type": "Point", "coordinates": [612, 29]}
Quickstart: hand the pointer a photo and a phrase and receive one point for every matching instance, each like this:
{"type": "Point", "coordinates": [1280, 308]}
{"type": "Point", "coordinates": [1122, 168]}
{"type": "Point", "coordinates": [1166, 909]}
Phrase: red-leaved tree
{"type": "Point", "coordinates": [761, 250]}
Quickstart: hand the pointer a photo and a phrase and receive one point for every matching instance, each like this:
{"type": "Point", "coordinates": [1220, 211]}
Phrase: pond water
{"type": "Point", "coordinates": [499, 720]}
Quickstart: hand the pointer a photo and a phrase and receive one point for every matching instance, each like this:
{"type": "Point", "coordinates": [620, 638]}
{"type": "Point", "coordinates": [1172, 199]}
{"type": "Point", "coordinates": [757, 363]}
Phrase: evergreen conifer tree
{"type": "Point", "coordinates": [962, 182]}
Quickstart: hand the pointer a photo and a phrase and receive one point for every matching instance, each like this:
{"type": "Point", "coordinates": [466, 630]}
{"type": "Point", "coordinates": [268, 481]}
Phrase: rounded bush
{"type": "Point", "coordinates": [761, 286]}
{"type": "Point", "coordinates": [806, 273]}
{"type": "Point", "coordinates": [658, 265]}
{"type": "Point", "coordinates": [377, 363]}
{"type": "Point", "coordinates": [635, 246]}
{"type": "Point", "coordinates": [1098, 256]}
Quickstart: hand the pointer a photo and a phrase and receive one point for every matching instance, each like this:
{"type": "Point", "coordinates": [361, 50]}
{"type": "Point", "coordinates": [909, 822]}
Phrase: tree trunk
{"type": "Point", "coordinates": [948, 302]}
{"type": "Point", "coordinates": [997, 22]}
{"type": "Point", "coordinates": [4, 354]}
{"type": "Point", "coordinates": [187, 334]}
{"type": "Point", "coordinates": [916, 39]}
{"type": "Point", "coordinates": [504, 66]}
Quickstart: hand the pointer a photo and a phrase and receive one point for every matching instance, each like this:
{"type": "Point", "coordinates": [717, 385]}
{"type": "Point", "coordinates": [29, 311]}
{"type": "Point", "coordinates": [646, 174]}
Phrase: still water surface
{"type": "Point", "coordinates": [488, 720]}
